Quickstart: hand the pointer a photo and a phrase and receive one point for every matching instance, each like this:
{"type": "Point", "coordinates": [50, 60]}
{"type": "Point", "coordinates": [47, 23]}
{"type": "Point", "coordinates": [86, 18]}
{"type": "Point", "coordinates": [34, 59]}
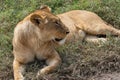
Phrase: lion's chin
{"type": "Point", "coordinates": [62, 41]}
{"type": "Point", "coordinates": [58, 39]}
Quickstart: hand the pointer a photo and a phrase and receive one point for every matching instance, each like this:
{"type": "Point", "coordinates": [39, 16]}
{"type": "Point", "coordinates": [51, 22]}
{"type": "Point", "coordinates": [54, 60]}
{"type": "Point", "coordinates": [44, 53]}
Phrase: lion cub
{"type": "Point", "coordinates": [34, 37]}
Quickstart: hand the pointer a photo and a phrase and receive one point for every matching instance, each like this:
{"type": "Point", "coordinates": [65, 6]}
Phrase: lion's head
{"type": "Point", "coordinates": [50, 25]}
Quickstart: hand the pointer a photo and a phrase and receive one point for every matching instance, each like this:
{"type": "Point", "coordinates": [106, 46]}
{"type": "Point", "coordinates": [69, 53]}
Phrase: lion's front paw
{"type": "Point", "coordinates": [20, 78]}
{"type": "Point", "coordinates": [41, 74]}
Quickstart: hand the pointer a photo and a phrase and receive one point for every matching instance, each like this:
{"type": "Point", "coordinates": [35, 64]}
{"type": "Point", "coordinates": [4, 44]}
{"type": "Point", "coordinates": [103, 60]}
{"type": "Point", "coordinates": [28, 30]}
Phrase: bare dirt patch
{"type": "Point", "coordinates": [110, 76]}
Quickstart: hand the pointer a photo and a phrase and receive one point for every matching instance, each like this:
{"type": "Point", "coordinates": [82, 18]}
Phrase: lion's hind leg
{"type": "Point", "coordinates": [104, 29]}
{"type": "Point", "coordinates": [113, 31]}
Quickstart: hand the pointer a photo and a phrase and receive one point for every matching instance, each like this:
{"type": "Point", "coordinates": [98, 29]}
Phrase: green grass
{"type": "Point", "coordinates": [12, 11]}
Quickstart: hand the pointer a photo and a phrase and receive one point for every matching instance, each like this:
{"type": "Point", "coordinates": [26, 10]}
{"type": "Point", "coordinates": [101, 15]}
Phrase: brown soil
{"type": "Point", "coordinates": [78, 63]}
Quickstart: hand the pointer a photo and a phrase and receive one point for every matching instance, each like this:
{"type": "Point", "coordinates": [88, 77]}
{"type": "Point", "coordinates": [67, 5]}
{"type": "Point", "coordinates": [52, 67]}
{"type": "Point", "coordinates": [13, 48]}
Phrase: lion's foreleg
{"type": "Point", "coordinates": [95, 39]}
{"type": "Point", "coordinates": [18, 70]}
{"type": "Point", "coordinates": [53, 62]}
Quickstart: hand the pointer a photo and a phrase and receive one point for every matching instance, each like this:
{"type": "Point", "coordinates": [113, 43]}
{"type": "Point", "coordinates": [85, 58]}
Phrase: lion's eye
{"type": "Point", "coordinates": [56, 22]}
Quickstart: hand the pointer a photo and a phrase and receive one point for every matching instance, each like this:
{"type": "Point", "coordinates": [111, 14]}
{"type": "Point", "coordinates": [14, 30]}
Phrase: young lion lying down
{"type": "Point", "coordinates": [38, 33]}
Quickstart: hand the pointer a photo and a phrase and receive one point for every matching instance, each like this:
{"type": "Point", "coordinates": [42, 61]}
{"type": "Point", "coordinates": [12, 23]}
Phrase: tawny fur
{"type": "Point", "coordinates": [38, 33]}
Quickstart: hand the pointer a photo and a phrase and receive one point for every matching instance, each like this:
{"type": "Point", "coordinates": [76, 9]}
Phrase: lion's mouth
{"type": "Point", "coordinates": [58, 39]}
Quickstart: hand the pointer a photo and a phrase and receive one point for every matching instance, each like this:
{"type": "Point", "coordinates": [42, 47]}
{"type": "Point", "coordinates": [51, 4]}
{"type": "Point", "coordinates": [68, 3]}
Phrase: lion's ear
{"type": "Point", "coordinates": [35, 19]}
{"type": "Point", "coordinates": [45, 8]}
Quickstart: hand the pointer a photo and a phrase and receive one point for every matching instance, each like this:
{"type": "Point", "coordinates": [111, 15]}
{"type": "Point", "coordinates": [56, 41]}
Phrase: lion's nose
{"type": "Point", "coordinates": [67, 32]}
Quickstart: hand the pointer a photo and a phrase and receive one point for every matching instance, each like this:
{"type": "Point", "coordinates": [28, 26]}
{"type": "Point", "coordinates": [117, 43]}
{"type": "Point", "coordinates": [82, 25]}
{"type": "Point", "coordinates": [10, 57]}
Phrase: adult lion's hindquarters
{"type": "Point", "coordinates": [88, 22]}
{"type": "Point", "coordinates": [34, 37]}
